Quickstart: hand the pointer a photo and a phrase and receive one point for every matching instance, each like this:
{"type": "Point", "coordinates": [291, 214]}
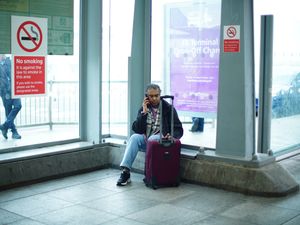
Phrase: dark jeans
{"type": "Point", "coordinates": [198, 124]}
{"type": "Point", "coordinates": [12, 108]}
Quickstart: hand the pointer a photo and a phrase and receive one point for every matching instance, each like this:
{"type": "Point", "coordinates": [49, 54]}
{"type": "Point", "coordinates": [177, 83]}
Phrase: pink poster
{"type": "Point", "coordinates": [194, 48]}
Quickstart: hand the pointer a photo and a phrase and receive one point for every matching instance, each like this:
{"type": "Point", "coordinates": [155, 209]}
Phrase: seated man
{"type": "Point", "coordinates": [146, 127]}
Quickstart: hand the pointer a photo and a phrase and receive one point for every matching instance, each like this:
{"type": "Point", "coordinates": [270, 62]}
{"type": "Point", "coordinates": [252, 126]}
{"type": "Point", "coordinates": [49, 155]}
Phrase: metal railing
{"type": "Point", "coordinates": [59, 106]}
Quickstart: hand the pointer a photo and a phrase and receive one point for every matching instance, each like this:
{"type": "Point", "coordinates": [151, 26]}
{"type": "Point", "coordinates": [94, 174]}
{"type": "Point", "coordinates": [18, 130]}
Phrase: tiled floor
{"type": "Point", "coordinates": [93, 198]}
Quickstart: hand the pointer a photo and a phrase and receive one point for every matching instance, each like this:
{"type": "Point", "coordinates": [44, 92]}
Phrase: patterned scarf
{"type": "Point", "coordinates": [153, 120]}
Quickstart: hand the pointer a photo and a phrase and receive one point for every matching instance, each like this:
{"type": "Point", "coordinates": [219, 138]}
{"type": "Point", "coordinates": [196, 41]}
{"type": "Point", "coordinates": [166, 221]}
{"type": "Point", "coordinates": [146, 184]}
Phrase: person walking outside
{"type": "Point", "coordinates": [12, 106]}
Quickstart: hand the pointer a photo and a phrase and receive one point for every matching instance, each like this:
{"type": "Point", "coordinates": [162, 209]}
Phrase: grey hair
{"type": "Point", "coordinates": [153, 86]}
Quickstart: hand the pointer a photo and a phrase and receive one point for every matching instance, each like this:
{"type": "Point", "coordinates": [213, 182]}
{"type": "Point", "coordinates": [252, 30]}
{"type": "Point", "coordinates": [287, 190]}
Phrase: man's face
{"type": "Point", "coordinates": [154, 97]}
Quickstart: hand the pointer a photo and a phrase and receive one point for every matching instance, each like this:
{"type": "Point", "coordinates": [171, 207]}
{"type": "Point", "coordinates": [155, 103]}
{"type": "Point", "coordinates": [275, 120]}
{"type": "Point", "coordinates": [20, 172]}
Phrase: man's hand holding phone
{"type": "Point", "coordinates": [146, 102]}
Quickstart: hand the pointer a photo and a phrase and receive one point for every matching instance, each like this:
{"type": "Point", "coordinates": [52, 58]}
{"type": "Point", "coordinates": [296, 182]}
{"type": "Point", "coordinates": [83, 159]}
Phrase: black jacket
{"type": "Point", "coordinates": [140, 124]}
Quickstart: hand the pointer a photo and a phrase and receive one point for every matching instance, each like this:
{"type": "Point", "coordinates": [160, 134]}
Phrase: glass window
{"type": "Point", "coordinates": [55, 116]}
{"type": "Point", "coordinates": [185, 62]}
{"type": "Point", "coordinates": [285, 124]}
{"type": "Point", "coordinates": [117, 34]}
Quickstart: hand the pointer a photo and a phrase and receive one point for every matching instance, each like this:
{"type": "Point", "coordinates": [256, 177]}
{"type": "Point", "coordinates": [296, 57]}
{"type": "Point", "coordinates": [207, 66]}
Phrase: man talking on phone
{"type": "Point", "coordinates": [146, 127]}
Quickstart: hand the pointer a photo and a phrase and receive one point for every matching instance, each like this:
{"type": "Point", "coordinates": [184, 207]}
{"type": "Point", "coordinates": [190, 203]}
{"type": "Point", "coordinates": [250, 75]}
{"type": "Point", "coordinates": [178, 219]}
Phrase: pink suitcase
{"type": "Point", "coordinates": [162, 162]}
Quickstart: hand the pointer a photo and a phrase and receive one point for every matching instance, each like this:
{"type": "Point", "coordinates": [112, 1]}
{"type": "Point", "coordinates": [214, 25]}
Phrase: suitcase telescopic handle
{"type": "Point", "coordinates": [172, 118]}
{"type": "Point", "coordinates": [167, 96]}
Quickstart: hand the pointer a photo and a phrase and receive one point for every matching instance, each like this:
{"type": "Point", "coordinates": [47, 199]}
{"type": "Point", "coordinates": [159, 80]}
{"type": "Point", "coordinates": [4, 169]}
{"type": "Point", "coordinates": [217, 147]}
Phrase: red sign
{"type": "Point", "coordinates": [29, 75]}
{"type": "Point", "coordinates": [232, 45]}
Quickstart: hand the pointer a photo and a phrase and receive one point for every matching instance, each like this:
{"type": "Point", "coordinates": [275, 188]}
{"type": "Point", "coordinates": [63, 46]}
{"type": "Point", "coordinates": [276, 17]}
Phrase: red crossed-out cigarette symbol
{"type": "Point", "coordinates": [29, 36]}
{"type": "Point", "coordinates": [231, 32]}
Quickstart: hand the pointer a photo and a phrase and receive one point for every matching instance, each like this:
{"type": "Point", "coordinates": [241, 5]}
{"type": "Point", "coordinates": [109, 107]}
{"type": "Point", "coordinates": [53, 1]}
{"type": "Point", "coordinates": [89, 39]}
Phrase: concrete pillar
{"type": "Point", "coordinates": [236, 102]}
{"type": "Point", "coordinates": [139, 64]}
{"type": "Point", "coordinates": [90, 71]}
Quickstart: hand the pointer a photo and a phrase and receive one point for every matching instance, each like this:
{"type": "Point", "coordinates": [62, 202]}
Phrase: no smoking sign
{"type": "Point", "coordinates": [29, 35]}
{"type": "Point", "coordinates": [231, 38]}
{"type": "Point", "coordinates": [29, 49]}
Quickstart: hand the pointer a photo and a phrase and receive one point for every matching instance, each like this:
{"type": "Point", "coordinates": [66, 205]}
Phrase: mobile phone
{"type": "Point", "coordinates": [146, 95]}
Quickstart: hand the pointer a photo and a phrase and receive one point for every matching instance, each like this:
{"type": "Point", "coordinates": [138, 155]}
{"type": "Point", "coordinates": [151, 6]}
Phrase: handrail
{"type": "Point", "coordinates": [60, 106]}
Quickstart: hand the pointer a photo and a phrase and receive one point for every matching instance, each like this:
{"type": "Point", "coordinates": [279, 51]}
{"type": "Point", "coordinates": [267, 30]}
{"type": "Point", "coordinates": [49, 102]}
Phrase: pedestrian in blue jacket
{"type": "Point", "coordinates": [12, 106]}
